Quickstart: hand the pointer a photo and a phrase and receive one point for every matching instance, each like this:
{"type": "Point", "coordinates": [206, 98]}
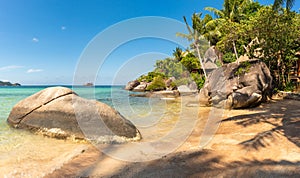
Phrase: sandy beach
{"type": "Point", "coordinates": [150, 89]}
{"type": "Point", "coordinates": [257, 142]}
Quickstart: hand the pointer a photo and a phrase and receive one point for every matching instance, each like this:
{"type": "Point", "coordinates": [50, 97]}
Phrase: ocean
{"type": "Point", "coordinates": [24, 154]}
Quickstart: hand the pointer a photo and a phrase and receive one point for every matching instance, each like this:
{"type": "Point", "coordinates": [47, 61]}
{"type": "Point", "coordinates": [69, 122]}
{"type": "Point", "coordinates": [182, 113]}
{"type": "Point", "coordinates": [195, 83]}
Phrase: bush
{"type": "Point", "coordinates": [199, 79]}
{"type": "Point", "coordinates": [182, 81]}
{"type": "Point", "coordinates": [243, 68]}
{"type": "Point", "coordinates": [157, 84]}
{"type": "Point", "coordinates": [150, 77]}
{"type": "Point", "coordinates": [229, 57]}
{"type": "Point", "coordinates": [290, 86]}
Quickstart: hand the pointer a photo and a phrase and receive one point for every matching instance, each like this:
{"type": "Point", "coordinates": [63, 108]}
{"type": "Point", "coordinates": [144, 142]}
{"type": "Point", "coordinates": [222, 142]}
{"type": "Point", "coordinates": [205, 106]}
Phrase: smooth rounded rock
{"type": "Point", "coordinates": [59, 112]}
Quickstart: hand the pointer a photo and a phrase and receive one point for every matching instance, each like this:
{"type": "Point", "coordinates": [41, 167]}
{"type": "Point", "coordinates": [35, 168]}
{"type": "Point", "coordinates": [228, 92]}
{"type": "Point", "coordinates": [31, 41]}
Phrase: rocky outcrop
{"type": "Point", "coordinates": [158, 94]}
{"type": "Point", "coordinates": [186, 90]}
{"type": "Point", "coordinates": [132, 84]}
{"type": "Point", "coordinates": [169, 83]}
{"type": "Point", "coordinates": [59, 112]}
{"type": "Point", "coordinates": [237, 85]}
{"type": "Point", "coordinates": [210, 59]}
{"type": "Point", "coordinates": [141, 87]}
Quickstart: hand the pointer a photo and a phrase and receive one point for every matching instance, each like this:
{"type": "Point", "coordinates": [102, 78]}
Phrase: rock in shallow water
{"type": "Point", "coordinates": [59, 112]}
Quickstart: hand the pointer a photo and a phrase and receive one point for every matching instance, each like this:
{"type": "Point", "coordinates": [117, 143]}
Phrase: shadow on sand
{"type": "Point", "coordinates": [286, 122]}
{"type": "Point", "coordinates": [208, 163]}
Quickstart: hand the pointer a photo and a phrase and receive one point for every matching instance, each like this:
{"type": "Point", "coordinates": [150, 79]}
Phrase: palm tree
{"type": "Point", "coordinates": [232, 10]}
{"type": "Point", "coordinates": [231, 13]}
{"type": "Point", "coordinates": [278, 3]}
{"type": "Point", "coordinates": [178, 54]}
{"type": "Point", "coordinates": [196, 35]}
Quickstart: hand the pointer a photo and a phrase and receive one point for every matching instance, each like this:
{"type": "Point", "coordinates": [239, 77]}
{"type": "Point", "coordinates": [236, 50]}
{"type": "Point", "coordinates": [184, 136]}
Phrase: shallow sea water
{"type": "Point", "coordinates": [23, 154]}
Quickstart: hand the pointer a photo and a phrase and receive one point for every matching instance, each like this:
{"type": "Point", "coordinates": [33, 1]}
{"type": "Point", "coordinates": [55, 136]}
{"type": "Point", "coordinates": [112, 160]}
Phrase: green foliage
{"type": "Point", "coordinates": [278, 32]}
{"type": "Point", "coordinates": [243, 68]}
{"type": "Point", "coordinates": [178, 54]}
{"type": "Point", "coordinates": [190, 62]}
{"type": "Point", "coordinates": [169, 67]}
{"type": "Point", "coordinates": [197, 34]}
{"type": "Point", "coordinates": [290, 86]}
{"type": "Point", "coordinates": [182, 81]}
{"type": "Point", "coordinates": [200, 80]}
{"type": "Point", "coordinates": [229, 57]}
{"type": "Point", "coordinates": [236, 25]}
{"type": "Point", "coordinates": [173, 85]}
{"type": "Point", "coordinates": [219, 63]}
{"type": "Point", "coordinates": [150, 76]}
{"type": "Point", "coordinates": [276, 29]}
{"type": "Point", "coordinates": [278, 3]}
{"type": "Point", "coordinates": [157, 84]}
{"type": "Point", "coordinates": [180, 67]}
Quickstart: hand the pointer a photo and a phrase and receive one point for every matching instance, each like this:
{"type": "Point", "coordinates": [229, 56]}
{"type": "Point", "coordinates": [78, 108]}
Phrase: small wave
{"type": "Point", "coordinates": [113, 139]}
{"type": "Point", "coordinates": [104, 99]}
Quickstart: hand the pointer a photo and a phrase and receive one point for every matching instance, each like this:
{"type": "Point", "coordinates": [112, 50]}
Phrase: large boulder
{"type": "Point", "coordinates": [185, 90]}
{"type": "Point", "coordinates": [59, 112]}
{"type": "Point", "coordinates": [210, 59]}
{"type": "Point", "coordinates": [132, 84]}
{"type": "Point", "coordinates": [169, 84]}
{"type": "Point", "coordinates": [141, 87]}
{"type": "Point", "coordinates": [237, 85]}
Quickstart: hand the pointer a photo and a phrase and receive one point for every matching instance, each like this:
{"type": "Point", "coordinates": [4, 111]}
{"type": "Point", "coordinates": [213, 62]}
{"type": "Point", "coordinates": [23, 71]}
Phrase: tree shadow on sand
{"type": "Point", "coordinates": [208, 164]}
{"type": "Point", "coordinates": [285, 121]}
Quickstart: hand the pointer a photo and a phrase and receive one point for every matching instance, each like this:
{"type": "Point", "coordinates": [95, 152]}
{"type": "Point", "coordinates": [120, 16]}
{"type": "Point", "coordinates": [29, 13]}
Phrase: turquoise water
{"type": "Point", "coordinates": [115, 96]}
{"type": "Point", "coordinates": [20, 151]}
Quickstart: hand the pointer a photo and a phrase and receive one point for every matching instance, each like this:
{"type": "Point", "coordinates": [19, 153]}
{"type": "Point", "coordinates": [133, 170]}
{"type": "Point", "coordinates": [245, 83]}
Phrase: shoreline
{"type": "Point", "coordinates": [262, 141]}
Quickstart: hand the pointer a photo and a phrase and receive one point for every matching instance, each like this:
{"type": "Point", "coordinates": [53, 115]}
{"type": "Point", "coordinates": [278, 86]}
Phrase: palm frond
{"type": "Point", "coordinates": [277, 4]}
{"type": "Point", "coordinates": [217, 12]}
{"type": "Point", "coordinates": [187, 36]}
{"type": "Point", "coordinates": [289, 4]}
{"type": "Point", "coordinates": [187, 25]}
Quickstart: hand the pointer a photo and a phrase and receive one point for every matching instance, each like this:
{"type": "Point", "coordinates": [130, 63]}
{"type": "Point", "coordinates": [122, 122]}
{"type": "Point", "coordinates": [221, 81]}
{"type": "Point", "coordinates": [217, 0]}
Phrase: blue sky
{"type": "Point", "coordinates": [44, 41]}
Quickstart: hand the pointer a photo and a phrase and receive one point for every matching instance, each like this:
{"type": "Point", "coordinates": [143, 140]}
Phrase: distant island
{"type": "Point", "coordinates": [88, 84]}
{"type": "Point", "coordinates": [9, 84]}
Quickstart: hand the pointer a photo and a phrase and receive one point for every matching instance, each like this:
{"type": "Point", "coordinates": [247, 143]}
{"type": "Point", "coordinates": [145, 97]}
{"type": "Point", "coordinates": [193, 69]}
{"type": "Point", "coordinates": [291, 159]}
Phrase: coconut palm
{"type": "Point", "coordinates": [231, 14]}
{"type": "Point", "coordinates": [196, 35]}
{"type": "Point", "coordinates": [232, 10]}
{"type": "Point", "coordinates": [288, 3]}
{"type": "Point", "coordinates": [178, 54]}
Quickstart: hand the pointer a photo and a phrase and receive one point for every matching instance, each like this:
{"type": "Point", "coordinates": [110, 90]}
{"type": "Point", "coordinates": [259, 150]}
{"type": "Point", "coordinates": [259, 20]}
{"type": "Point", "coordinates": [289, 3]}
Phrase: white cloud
{"type": "Point", "coordinates": [35, 40]}
{"type": "Point", "coordinates": [63, 28]}
{"type": "Point", "coordinates": [8, 68]}
{"type": "Point", "coordinates": [34, 70]}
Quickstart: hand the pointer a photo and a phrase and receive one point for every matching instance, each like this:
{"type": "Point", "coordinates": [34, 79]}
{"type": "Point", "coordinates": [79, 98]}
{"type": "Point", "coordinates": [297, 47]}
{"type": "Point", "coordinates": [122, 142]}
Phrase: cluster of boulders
{"type": "Point", "coordinates": [240, 84]}
{"type": "Point", "coordinates": [137, 86]}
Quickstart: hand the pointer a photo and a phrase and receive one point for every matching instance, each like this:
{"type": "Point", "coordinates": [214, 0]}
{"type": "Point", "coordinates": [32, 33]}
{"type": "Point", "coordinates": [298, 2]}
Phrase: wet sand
{"type": "Point", "coordinates": [257, 142]}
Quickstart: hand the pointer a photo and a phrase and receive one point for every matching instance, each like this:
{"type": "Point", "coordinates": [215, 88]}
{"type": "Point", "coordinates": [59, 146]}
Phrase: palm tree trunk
{"type": "Point", "coordinates": [235, 52]}
{"type": "Point", "coordinates": [200, 58]}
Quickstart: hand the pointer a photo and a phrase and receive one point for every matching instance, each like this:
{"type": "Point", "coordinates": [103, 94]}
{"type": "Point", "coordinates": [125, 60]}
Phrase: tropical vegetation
{"type": "Point", "coordinates": [241, 27]}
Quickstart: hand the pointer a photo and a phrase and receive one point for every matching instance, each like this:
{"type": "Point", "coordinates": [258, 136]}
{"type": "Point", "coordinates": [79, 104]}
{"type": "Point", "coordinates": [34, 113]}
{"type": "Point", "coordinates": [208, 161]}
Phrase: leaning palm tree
{"type": "Point", "coordinates": [195, 35]}
{"type": "Point", "coordinates": [288, 3]}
